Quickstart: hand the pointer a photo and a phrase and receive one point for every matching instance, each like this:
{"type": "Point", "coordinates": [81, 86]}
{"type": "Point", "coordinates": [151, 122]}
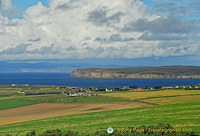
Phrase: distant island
{"type": "Point", "coordinates": [139, 72]}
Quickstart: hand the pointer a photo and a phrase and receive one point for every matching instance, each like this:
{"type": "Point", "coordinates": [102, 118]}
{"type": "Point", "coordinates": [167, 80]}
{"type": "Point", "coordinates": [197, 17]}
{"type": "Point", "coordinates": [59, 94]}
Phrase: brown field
{"type": "Point", "coordinates": [47, 110]}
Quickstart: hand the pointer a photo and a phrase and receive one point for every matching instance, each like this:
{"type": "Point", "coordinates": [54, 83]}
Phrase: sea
{"type": "Point", "coordinates": [64, 79]}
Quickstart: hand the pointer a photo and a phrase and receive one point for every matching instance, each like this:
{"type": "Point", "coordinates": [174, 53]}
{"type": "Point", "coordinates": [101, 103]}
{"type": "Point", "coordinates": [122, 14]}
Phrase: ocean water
{"type": "Point", "coordinates": [64, 79]}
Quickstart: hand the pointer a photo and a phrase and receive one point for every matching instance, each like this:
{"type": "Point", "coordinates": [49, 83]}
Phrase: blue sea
{"type": "Point", "coordinates": [64, 79]}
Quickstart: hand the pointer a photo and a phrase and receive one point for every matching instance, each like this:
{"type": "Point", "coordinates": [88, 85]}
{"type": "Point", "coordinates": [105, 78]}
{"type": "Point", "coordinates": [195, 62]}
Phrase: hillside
{"type": "Point", "coordinates": [139, 72]}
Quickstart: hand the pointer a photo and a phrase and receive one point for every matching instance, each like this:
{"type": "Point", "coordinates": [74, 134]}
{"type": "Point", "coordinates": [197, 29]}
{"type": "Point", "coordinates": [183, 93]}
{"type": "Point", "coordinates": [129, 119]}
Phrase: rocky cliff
{"type": "Point", "coordinates": [139, 72]}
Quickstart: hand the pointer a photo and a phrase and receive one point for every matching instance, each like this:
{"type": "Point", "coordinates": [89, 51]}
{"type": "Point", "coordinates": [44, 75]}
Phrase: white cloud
{"type": "Point", "coordinates": [93, 29]}
{"type": "Point", "coordinates": [6, 8]}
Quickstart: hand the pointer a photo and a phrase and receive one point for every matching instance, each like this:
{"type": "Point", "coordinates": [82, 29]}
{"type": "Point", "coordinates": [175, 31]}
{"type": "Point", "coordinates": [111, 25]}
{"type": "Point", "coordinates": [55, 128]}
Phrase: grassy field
{"type": "Point", "coordinates": [13, 103]}
{"type": "Point", "coordinates": [59, 98]}
{"type": "Point", "coordinates": [182, 115]}
{"type": "Point", "coordinates": [168, 96]}
{"type": "Point", "coordinates": [47, 110]}
{"type": "Point", "coordinates": [178, 107]}
{"type": "Point", "coordinates": [80, 99]}
{"type": "Point", "coordinates": [173, 99]}
{"type": "Point", "coordinates": [8, 90]}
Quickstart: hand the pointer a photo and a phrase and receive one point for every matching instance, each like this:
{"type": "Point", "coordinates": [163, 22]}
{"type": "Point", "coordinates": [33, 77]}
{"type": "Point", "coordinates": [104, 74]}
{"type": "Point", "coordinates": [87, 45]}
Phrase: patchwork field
{"type": "Point", "coordinates": [46, 110]}
{"type": "Point", "coordinates": [183, 115]}
{"type": "Point", "coordinates": [21, 113]}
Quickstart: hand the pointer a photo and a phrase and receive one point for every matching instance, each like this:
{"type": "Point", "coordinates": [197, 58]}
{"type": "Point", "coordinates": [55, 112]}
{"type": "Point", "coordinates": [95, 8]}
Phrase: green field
{"type": "Point", "coordinates": [80, 99]}
{"type": "Point", "coordinates": [178, 107]}
{"type": "Point", "coordinates": [183, 115]}
{"type": "Point", "coordinates": [13, 103]}
{"type": "Point", "coordinates": [58, 98]}
{"type": "Point", "coordinates": [8, 90]}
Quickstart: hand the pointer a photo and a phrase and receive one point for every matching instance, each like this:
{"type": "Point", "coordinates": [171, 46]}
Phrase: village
{"type": "Point", "coordinates": [90, 91]}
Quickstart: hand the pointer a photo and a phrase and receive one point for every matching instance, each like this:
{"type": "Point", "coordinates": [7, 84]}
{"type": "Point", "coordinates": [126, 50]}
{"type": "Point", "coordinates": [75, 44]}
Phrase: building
{"type": "Point", "coordinates": [20, 92]}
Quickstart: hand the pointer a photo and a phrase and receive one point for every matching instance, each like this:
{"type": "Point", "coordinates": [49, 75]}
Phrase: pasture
{"type": "Point", "coordinates": [47, 110]}
{"type": "Point", "coordinates": [182, 115]}
{"type": "Point", "coordinates": [168, 96]}
{"type": "Point", "coordinates": [20, 113]}
{"type": "Point", "coordinates": [13, 103]}
{"type": "Point", "coordinates": [81, 99]}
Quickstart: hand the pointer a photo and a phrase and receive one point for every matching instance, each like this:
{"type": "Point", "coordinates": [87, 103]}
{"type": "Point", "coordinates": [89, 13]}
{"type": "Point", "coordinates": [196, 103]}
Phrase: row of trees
{"type": "Point", "coordinates": [155, 87]}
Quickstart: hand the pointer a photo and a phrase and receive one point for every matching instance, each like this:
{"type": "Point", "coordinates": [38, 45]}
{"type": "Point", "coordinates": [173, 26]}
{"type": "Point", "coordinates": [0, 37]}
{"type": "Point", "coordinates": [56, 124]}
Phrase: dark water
{"type": "Point", "coordinates": [63, 79]}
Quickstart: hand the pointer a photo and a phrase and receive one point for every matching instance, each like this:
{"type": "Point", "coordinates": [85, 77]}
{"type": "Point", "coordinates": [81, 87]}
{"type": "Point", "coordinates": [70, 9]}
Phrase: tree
{"type": "Point", "coordinates": [133, 87]}
{"type": "Point", "coordinates": [157, 87]}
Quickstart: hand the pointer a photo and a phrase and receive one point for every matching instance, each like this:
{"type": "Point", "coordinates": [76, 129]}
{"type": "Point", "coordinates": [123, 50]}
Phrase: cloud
{"type": "Point", "coordinates": [114, 38]}
{"type": "Point", "coordinates": [171, 8]}
{"type": "Point", "coordinates": [15, 50]}
{"type": "Point", "coordinates": [94, 29]}
{"type": "Point", "coordinates": [187, 9]}
{"type": "Point", "coordinates": [147, 36]}
{"type": "Point", "coordinates": [98, 17]}
{"type": "Point", "coordinates": [159, 25]}
{"type": "Point", "coordinates": [6, 8]}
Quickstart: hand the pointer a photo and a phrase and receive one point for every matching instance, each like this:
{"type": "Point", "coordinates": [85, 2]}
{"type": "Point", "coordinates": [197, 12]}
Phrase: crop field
{"type": "Point", "coordinates": [173, 99]}
{"type": "Point", "coordinates": [8, 90]}
{"type": "Point", "coordinates": [58, 98]}
{"type": "Point", "coordinates": [81, 99]}
{"type": "Point", "coordinates": [13, 103]}
{"type": "Point", "coordinates": [160, 96]}
{"type": "Point", "coordinates": [182, 115]}
{"type": "Point", "coordinates": [20, 113]}
{"type": "Point", "coordinates": [46, 110]}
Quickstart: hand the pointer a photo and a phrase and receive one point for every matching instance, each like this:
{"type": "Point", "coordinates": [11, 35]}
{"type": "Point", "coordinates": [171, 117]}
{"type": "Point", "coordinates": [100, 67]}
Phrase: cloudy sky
{"type": "Point", "coordinates": [100, 29]}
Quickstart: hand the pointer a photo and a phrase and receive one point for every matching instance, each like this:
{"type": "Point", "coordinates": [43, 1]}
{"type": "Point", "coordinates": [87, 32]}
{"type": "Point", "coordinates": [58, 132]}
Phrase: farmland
{"type": "Point", "coordinates": [82, 99]}
{"type": "Point", "coordinates": [20, 113]}
{"type": "Point", "coordinates": [167, 96]}
{"type": "Point", "coordinates": [13, 103]}
{"type": "Point", "coordinates": [47, 110]}
{"type": "Point", "coordinates": [183, 115]}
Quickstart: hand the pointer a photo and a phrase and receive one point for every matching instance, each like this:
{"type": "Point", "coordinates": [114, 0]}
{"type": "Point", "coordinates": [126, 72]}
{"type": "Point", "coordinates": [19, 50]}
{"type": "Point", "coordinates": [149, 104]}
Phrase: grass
{"type": "Point", "coordinates": [178, 107]}
{"type": "Point", "coordinates": [13, 103]}
{"type": "Point", "coordinates": [159, 97]}
{"type": "Point", "coordinates": [80, 99]}
{"type": "Point", "coordinates": [173, 99]}
{"type": "Point", "coordinates": [182, 115]}
{"type": "Point", "coordinates": [8, 90]}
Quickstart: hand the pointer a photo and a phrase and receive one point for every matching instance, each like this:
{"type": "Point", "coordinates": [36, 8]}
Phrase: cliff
{"type": "Point", "coordinates": [139, 72]}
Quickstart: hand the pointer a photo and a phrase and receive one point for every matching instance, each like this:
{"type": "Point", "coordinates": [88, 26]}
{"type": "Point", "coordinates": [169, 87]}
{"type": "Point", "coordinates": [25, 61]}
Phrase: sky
{"type": "Point", "coordinates": [122, 30]}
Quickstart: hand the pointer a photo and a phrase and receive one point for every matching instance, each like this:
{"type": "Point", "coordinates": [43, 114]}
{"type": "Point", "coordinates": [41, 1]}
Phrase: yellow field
{"type": "Point", "coordinates": [173, 100]}
{"type": "Point", "coordinates": [160, 97]}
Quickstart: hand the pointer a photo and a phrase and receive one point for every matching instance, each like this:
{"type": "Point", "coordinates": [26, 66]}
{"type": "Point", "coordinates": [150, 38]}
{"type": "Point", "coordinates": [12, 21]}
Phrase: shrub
{"type": "Point", "coordinates": [55, 132]}
{"type": "Point", "coordinates": [157, 87]}
{"type": "Point", "coordinates": [133, 87]}
{"type": "Point", "coordinates": [70, 133]}
{"type": "Point", "coordinates": [32, 133]}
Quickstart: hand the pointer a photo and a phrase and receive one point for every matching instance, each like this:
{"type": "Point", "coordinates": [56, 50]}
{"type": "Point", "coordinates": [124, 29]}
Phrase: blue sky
{"type": "Point", "coordinates": [145, 32]}
{"type": "Point", "coordinates": [24, 4]}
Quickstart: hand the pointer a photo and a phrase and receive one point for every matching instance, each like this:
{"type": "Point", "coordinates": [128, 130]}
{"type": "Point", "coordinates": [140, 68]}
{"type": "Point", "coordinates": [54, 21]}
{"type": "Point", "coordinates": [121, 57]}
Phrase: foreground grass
{"type": "Point", "coordinates": [182, 115]}
{"type": "Point", "coordinates": [13, 103]}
